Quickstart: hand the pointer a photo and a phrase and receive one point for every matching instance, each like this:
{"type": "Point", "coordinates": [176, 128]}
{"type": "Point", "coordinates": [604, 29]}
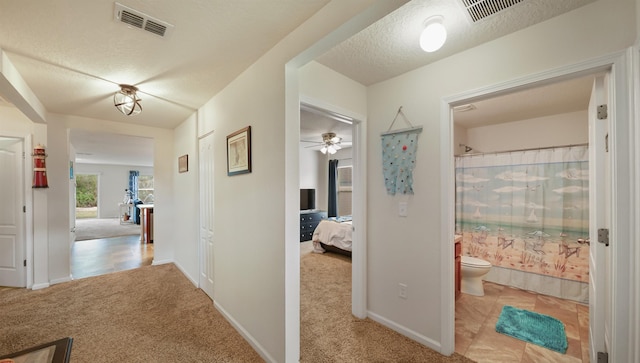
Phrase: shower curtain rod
{"type": "Point", "coordinates": [520, 150]}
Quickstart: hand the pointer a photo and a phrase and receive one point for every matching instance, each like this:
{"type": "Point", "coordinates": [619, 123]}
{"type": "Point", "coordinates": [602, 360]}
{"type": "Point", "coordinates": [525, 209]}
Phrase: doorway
{"type": "Point", "coordinates": [112, 175]}
{"type": "Point", "coordinates": [350, 171]}
{"type": "Point", "coordinates": [593, 69]}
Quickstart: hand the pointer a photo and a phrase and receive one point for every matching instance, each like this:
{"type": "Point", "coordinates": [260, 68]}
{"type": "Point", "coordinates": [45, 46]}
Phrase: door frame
{"type": "Point", "coordinates": [621, 158]}
{"type": "Point", "coordinates": [359, 152]}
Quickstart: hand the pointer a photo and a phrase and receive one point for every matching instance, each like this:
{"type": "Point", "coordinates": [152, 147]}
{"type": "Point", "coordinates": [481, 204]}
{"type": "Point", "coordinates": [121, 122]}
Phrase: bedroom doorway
{"type": "Point", "coordinates": [354, 161]}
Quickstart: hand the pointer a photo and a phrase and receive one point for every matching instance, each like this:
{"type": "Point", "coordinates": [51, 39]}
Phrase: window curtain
{"type": "Point", "coordinates": [333, 189]}
{"type": "Point", "coordinates": [527, 213]}
{"type": "Point", "coordinates": [133, 183]}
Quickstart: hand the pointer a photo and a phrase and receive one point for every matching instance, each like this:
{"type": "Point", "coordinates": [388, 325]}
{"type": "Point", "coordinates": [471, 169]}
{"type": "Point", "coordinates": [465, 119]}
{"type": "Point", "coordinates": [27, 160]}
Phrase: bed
{"type": "Point", "coordinates": [333, 235]}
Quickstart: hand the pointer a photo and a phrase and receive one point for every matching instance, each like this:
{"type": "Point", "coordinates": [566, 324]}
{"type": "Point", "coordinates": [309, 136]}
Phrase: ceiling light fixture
{"type": "Point", "coordinates": [434, 34]}
{"type": "Point", "coordinates": [331, 143]}
{"type": "Point", "coordinates": [127, 101]}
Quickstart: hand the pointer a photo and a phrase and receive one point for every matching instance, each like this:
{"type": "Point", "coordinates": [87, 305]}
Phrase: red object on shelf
{"type": "Point", "coordinates": [39, 167]}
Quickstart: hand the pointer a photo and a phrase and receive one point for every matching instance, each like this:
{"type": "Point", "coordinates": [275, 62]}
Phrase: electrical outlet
{"type": "Point", "coordinates": [402, 291]}
{"type": "Point", "coordinates": [402, 209]}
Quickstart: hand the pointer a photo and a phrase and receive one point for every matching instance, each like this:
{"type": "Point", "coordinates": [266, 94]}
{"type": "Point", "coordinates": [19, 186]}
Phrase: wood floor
{"type": "Point", "coordinates": [476, 318]}
{"type": "Point", "coordinates": [106, 255]}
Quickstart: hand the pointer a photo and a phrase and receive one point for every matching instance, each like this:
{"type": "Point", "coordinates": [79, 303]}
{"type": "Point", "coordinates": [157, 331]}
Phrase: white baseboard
{"type": "Point", "coordinates": [161, 262]}
{"type": "Point", "coordinates": [430, 343]}
{"type": "Point", "coordinates": [40, 286]}
{"type": "Point", "coordinates": [248, 337]}
{"type": "Point", "coordinates": [189, 277]}
{"type": "Point", "coordinates": [61, 280]}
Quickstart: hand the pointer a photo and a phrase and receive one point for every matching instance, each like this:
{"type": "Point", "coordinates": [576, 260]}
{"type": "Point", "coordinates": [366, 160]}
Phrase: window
{"type": "Point", "coordinates": [344, 178]}
{"type": "Point", "coordinates": [344, 190]}
{"type": "Point", "coordinates": [145, 188]}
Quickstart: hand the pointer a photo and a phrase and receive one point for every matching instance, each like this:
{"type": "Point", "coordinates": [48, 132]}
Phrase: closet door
{"type": "Point", "coordinates": [12, 242]}
{"type": "Point", "coordinates": [205, 167]}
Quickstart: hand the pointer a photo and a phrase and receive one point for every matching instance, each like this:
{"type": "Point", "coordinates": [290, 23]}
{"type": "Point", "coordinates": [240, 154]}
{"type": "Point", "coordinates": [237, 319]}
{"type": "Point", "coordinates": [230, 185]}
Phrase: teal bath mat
{"type": "Point", "coordinates": [531, 327]}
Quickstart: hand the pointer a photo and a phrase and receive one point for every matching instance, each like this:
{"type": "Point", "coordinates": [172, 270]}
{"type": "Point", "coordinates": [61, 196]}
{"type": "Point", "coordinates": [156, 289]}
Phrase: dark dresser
{"type": "Point", "coordinates": [308, 222]}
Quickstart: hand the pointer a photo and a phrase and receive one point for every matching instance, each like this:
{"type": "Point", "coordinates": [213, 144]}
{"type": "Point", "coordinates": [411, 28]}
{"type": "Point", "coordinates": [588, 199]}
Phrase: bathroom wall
{"type": "Point", "coordinates": [562, 129]}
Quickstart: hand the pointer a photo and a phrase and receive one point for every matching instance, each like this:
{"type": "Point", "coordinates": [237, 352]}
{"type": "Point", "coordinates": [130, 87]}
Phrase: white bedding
{"type": "Point", "coordinates": [332, 233]}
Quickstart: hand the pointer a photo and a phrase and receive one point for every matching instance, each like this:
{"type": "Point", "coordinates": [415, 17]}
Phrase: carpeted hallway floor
{"type": "Point", "coordinates": [330, 333]}
{"type": "Point", "coordinates": [155, 314]}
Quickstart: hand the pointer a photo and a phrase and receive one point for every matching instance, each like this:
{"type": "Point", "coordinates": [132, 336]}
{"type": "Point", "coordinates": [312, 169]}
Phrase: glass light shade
{"type": "Point", "coordinates": [331, 149]}
{"type": "Point", "coordinates": [434, 35]}
{"type": "Point", "coordinates": [126, 100]}
{"type": "Point", "coordinates": [324, 149]}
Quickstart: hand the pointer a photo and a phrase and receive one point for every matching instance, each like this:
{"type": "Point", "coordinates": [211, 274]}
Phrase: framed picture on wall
{"type": "Point", "coordinates": [239, 152]}
{"type": "Point", "coordinates": [183, 164]}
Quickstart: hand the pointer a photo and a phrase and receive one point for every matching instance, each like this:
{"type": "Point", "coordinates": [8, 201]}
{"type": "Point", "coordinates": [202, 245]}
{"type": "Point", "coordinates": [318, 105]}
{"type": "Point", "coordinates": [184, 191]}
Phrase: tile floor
{"type": "Point", "coordinates": [476, 318]}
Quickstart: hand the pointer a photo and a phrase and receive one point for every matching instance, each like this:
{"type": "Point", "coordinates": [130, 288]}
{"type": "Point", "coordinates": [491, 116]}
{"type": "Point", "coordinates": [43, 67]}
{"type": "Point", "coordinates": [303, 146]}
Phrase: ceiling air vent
{"type": "Point", "coordinates": [141, 20]}
{"type": "Point", "coordinates": [480, 9]}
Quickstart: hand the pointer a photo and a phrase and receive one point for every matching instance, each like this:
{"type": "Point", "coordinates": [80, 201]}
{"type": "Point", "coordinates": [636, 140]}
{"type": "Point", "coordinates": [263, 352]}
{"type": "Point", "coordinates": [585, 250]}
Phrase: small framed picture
{"type": "Point", "coordinates": [183, 164]}
{"type": "Point", "coordinates": [239, 152]}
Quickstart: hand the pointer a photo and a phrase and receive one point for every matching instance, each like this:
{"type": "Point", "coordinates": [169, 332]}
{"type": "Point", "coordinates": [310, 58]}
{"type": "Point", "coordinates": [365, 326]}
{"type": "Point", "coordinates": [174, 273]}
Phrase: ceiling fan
{"type": "Point", "coordinates": [330, 143]}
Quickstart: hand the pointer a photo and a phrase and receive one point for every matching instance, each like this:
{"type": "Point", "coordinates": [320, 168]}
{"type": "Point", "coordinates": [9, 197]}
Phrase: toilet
{"type": "Point", "coordinates": [473, 270]}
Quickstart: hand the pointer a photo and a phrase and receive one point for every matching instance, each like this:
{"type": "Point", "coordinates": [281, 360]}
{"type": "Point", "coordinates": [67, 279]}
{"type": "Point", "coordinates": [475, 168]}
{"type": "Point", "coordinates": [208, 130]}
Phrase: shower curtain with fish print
{"type": "Point", "coordinates": [527, 213]}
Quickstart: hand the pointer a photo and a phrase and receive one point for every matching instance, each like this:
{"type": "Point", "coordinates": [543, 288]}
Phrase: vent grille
{"type": "Point", "coordinates": [480, 9]}
{"type": "Point", "coordinates": [141, 20]}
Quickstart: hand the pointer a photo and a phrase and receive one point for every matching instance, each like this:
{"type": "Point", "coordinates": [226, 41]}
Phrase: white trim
{"type": "Point", "coordinates": [186, 274]}
{"type": "Point", "coordinates": [622, 211]}
{"type": "Point", "coordinates": [424, 340]}
{"type": "Point", "coordinates": [40, 286]}
{"type": "Point", "coordinates": [623, 224]}
{"type": "Point", "coordinates": [245, 334]}
{"type": "Point", "coordinates": [61, 280]}
{"type": "Point", "coordinates": [634, 334]}
{"type": "Point", "coordinates": [161, 262]}
{"type": "Point", "coordinates": [359, 152]}
{"type": "Point", "coordinates": [359, 212]}
{"type": "Point", "coordinates": [447, 229]}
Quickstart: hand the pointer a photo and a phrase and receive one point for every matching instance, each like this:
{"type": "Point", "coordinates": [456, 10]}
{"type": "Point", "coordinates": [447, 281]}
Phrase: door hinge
{"type": "Point", "coordinates": [606, 143]}
{"type": "Point", "coordinates": [24, 209]}
{"type": "Point", "coordinates": [603, 236]}
{"type": "Point", "coordinates": [25, 263]}
{"type": "Point", "coordinates": [603, 357]}
{"type": "Point", "coordinates": [602, 112]}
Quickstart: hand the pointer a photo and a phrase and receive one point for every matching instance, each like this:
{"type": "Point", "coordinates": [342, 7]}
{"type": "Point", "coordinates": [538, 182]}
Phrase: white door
{"type": "Point", "coordinates": [599, 218]}
{"type": "Point", "coordinates": [12, 216]}
{"type": "Point", "coordinates": [206, 213]}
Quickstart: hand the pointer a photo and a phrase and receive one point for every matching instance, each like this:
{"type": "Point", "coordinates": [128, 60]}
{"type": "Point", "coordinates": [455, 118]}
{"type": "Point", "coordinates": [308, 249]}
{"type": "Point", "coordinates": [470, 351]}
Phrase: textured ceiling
{"type": "Point", "coordinates": [390, 46]}
{"type": "Point", "coordinates": [73, 54]}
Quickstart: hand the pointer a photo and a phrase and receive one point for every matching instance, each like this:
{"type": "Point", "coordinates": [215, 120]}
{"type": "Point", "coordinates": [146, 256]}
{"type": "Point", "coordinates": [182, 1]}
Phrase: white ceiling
{"type": "Point", "coordinates": [73, 54]}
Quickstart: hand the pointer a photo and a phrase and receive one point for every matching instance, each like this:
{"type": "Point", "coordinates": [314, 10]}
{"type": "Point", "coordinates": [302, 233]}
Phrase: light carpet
{"type": "Point", "coordinates": [149, 314]}
{"type": "Point", "coordinates": [96, 228]}
{"type": "Point", "coordinates": [155, 314]}
{"type": "Point", "coordinates": [330, 333]}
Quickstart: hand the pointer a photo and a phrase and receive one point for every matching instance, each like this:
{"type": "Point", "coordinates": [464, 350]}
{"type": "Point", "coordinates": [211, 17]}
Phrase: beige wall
{"type": "Point", "coordinates": [256, 213]}
{"type": "Point", "coordinates": [563, 129]}
{"type": "Point", "coordinates": [408, 250]}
